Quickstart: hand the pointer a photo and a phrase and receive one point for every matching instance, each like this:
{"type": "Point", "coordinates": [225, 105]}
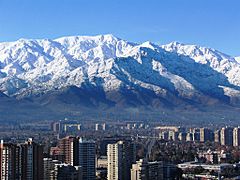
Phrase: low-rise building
{"type": "Point", "coordinates": [66, 172]}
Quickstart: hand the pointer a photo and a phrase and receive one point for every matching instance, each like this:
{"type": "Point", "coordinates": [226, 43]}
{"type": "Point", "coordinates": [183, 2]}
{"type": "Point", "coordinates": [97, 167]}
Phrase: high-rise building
{"type": "Point", "coordinates": [143, 170]}
{"type": "Point", "coordinates": [97, 127]}
{"type": "Point", "coordinates": [206, 135]}
{"type": "Point", "coordinates": [56, 126]}
{"type": "Point", "coordinates": [33, 160]}
{"type": "Point", "coordinates": [236, 136]}
{"type": "Point", "coordinates": [49, 166]}
{"type": "Point", "coordinates": [196, 134]}
{"type": "Point", "coordinates": [100, 127]}
{"type": "Point", "coordinates": [164, 135]}
{"type": "Point", "coordinates": [189, 137]}
{"type": "Point", "coordinates": [172, 135]}
{"type": "Point", "coordinates": [115, 154]}
{"type": "Point", "coordinates": [9, 161]}
{"type": "Point", "coordinates": [139, 170]}
{"type": "Point", "coordinates": [71, 127]}
{"type": "Point", "coordinates": [155, 170]}
{"type": "Point", "coordinates": [182, 136]}
{"type": "Point", "coordinates": [227, 136]}
{"type": "Point", "coordinates": [217, 136]}
{"type": "Point", "coordinates": [21, 161]}
{"type": "Point", "coordinates": [65, 126]}
{"type": "Point", "coordinates": [69, 148]}
{"type": "Point", "coordinates": [87, 159]}
{"type": "Point", "coordinates": [56, 153]}
{"type": "Point", "coordinates": [104, 143]}
{"type": "Point", "coordinates": [121, 156]}
{"type": "Point", "coordinates": [78, 152]}
{"type": "Point", "coordinates": [104, 127]}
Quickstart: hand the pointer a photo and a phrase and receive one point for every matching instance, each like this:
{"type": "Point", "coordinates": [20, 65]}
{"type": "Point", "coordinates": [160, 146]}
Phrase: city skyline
{"type": "Point", "coordinates": [127, 150]}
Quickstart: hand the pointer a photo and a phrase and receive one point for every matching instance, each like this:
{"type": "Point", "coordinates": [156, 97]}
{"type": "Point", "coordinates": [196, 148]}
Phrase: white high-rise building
{"type": "Point", "coordinates": [143, 170]}
{"type": "Point", "coordinates": [139, 170]}
{"type": "Point", "coordinates": [114, 155]}
{"type": "Point", "coordinates": [236, 136]}
{"type": "Point", "coordinates": [48, 167]}
{"type": "Point", "coordinates": [7, 161]}
{"type": "Point", "coordinates": [120, 157]}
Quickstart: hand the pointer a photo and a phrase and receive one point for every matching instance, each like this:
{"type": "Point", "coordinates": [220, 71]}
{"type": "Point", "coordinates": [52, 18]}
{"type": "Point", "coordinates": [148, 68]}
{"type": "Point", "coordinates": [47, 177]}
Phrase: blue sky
{"type": "Point", "coordinates": [211, 23]}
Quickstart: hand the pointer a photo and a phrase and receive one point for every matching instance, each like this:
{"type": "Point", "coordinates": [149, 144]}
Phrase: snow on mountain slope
{"type": "Point", "coordinates": [218, 61]}
{"type": "Point", "coordinates": [237, 59]}
{"type": "Point", "coordinates": [47, 62]}
{"type": "Point", "coordinates": [173, 71]}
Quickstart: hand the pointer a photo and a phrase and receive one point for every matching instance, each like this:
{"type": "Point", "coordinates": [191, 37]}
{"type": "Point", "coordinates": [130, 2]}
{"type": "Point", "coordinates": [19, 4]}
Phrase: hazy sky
{"type": "Point", "coordinates": [211, 23]}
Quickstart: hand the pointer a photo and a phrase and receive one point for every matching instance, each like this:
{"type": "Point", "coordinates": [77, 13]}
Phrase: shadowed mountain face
{"type": "Point", "coordinates": [73, 75]}
{"type": "Point", "coordinates": [2, 95]}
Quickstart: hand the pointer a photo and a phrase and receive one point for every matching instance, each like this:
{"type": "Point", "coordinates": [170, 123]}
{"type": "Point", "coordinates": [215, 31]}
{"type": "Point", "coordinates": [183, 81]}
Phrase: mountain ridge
{"type": "Point", "coordinates": [105, 71]}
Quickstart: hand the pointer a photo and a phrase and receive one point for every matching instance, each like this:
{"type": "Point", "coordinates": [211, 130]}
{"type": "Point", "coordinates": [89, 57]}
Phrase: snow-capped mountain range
{"type": "Point", "coordinates": [104, 69]}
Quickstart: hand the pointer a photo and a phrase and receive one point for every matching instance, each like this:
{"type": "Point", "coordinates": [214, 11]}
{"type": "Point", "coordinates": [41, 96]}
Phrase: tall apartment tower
{"type": "Point", "coordinates": [155, 170]}
{"type": "Point", "coordinates": [217, 136]}
{"type": "Point", "coordinates": [114, 157]}
{"type": "Point", "coordinates": [21, 161]}
{"type": "Point", "coordinates": [139, 170]}
{"type": "Point", "coordinates": [49, 167]}
{"type": "Point", "coordinates": [206, 135]}
{"type": "Point", "coordinates": [120, 156]}
{"type": "Point", "coordinates": [87, 159]}
{"type": "Point", "coordinates": [32, 159]}
{"type": "Point", "coordinates": [196, 134]}
{"type": "Point", "coordinates": [226, 136]}
{"type": "Point", "coordinates": [143, 170]}
{"type": "Point", "coordinates": [69, 148]}
{"type": "Point", "coordinates": [236, 136]}
{"type": "Point", "coordinates": [104, 127]}
{"type": "Point", "coordinates": [9, 161]}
